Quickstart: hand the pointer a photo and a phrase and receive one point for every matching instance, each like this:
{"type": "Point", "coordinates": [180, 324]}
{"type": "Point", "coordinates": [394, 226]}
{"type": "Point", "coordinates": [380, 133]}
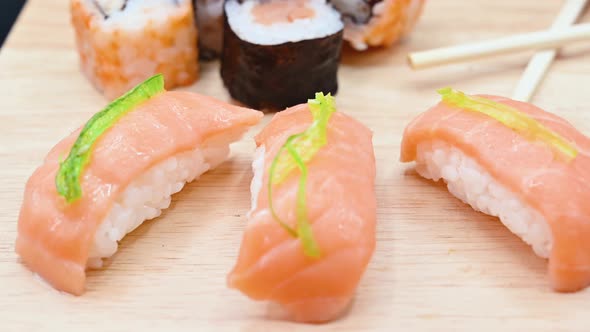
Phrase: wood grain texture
{"type": "Point", "coordinates": [438, 266]}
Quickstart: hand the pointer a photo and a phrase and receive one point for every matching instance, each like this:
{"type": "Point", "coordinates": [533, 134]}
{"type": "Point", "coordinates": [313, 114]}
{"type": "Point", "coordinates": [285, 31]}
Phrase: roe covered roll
{"type": "Point", "coordinates": [277, 53]}
{"type": "Point", "coordinates": [123, 42]}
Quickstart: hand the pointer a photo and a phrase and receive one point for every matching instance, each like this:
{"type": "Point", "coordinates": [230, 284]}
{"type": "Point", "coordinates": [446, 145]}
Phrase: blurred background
{"type": "Point", "coordinates": [9, 10]}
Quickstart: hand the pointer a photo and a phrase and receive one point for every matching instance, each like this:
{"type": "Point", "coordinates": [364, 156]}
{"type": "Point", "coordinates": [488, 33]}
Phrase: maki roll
{"type": "Point", "coordinates": [377, 22]}
{"type": "Point", "coordinates": [209, 17]}
{"type": "Point", "coordinates": [277, 53]}
{"type": "Point", "coordinates": [123, 42]}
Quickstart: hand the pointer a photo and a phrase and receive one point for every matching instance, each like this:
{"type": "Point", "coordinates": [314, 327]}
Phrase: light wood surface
{"type": "Point", "coordinates": [438, 266]}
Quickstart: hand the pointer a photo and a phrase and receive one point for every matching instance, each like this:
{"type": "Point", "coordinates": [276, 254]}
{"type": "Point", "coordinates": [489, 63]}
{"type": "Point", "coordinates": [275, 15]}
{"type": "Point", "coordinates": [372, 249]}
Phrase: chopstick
{"type": "Point", "coordinates": [533, 40]}
{"type": "Point", "coordinates": [541, 61]}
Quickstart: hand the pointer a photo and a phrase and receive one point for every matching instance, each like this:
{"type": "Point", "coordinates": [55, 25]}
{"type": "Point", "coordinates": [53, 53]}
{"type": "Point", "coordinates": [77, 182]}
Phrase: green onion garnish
{"type": "Point", "coordinates": [298, 150]}
{"type": "Point", "coordinates": [512, 118]}
{"type": "Point", "coordinates": [70, 170]}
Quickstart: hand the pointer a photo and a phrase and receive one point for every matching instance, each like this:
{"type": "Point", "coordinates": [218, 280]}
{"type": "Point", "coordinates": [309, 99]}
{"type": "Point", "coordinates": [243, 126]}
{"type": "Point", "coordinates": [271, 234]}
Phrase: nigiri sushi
{"type": "Point", "coordinates": [512, 160]}
{"type": "Point", "coordinates": [120, 169]}
{"type": "Point", "coordinates": [311, 229]}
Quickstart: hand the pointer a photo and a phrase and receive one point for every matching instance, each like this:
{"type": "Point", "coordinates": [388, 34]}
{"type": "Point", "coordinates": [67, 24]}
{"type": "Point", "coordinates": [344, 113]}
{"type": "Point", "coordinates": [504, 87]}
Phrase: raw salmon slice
{"type": "Point", "coordinates": [537, 194]}
{"type": "Point", "coordinates": [341, 208]}
{"type": "Point", "coordinates": [146, 156]}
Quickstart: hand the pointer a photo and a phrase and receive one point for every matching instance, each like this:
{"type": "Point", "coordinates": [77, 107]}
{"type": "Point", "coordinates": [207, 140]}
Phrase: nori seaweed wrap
{"type": "Point", "coordinates": [271, 63]}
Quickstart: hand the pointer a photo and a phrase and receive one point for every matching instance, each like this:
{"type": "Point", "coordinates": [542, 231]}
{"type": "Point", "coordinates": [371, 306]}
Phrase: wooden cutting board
{"type": "Point", "coordinates": [438, 265]}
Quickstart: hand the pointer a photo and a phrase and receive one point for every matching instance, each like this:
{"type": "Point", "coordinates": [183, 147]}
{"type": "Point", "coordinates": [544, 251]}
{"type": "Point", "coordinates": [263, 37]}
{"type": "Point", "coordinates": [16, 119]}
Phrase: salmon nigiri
{"type": "Point", "coordinates": [104, 180]}
{"type": "Point", "coordinates": [515, 161]}
{"type": "Point", "coordinates": [311, 230]}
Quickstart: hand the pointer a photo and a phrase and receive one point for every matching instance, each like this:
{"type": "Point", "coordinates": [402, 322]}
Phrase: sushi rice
{"type": "Point", "coordinates": [257, 179]}
{"type": "Point", "coordinates": [469, 182]}
{"type": "Point", "coordinates": [147, 196]}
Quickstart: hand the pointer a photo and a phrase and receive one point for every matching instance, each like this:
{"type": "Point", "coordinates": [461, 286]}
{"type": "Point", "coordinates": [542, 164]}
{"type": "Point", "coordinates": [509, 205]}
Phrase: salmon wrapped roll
{"type": "Point", "coordinates": [121, 43]}
{"type": "Point", "coordinates": [512, 160]}
{"type": "Point", "coordinates": [120, 169]}
{"type": "Point", "coordinates": [374, 23]}
{"type": "Point", "coordinates": [311, 230]}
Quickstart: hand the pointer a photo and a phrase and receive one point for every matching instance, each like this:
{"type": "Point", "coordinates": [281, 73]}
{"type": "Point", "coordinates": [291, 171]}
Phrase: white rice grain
{"type": "Point", "coordinates": [257, 179]}
{"type": "Point", "coordinates": [148, 195]}
{"type": "Point", "coordinates": [136, 12]}
{"type": "Point", "coordinates": [470, 182]}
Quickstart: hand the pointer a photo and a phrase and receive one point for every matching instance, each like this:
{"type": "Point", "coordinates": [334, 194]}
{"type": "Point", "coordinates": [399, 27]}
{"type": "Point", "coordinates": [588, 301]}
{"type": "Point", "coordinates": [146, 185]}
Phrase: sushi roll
{"type": "Point", "coordinates": [209, 17]}
{"type": "Point", "coordinates": [374, 23]}
{"type": "Point", "coordinates": [311, 228]}
{"type": "Point", "coordinates": [512, 160]}
{"type": "Point", "coordinates": [121, 43]}
{"type": "Point", "coordinates": [277, 53]}
{"type": "Point", "coordinates": [102, 181]}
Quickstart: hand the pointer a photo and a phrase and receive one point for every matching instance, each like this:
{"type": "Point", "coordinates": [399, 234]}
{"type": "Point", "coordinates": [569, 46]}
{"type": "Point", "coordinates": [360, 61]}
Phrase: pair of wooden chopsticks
{"type": "Point", "coordinates": [559, 35]}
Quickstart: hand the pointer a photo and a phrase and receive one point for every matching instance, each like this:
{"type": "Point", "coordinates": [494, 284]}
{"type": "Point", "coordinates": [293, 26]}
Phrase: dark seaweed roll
{"type": "Point", "coordinates": [279, 53]}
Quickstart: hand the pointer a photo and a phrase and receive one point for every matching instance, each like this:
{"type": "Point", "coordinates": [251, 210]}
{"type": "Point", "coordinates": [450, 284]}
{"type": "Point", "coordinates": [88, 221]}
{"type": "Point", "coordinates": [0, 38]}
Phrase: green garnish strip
{"type": "Point", "coordinates": [298, 150]}
{"type": "Point", "coordinates": [512, 118]}
{"type": "Point", "coordinates": [68, 176]}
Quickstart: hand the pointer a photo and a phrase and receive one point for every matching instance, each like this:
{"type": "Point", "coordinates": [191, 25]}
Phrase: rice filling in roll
{"type": "Point", "coordinates": [278, 53]}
